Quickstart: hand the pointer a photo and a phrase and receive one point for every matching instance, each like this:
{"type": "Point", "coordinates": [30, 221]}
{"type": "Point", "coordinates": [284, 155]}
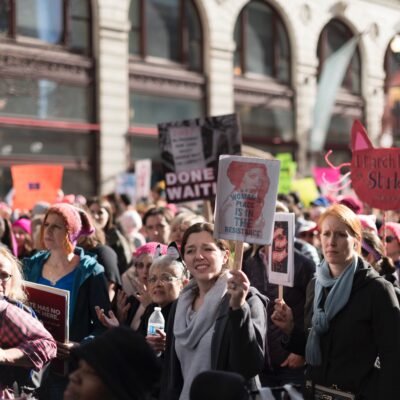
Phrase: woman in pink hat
{"type": "Point", "coordinates": [22, 232]}
{"type": "Point", "coordinates": [65, 266]}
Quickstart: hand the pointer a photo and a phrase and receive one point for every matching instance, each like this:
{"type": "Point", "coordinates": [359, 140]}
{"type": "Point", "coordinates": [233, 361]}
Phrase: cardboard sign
{"type": "Point", "coordinates": [126, 184]}
{"type": "Point", "coordinates": [52, 307]}
{"type": "Point", "coordinates": [246, 198]}
{"type": "Point", "coordinates": [143, 178]}
{"type": "Point", "coordinates": [281, 254]}
{"type": "Point", "coordinates": [288, 172]}
{"type": "Point", "coordinates": [329, 174]}
{"type": "Point", "coordinates": [33, 183]}
{"type": "Point", "coordinates": [190, 150]}
{"type": "Point", "coordinates": [375, 173]}
{"type": "Point", "coordinates": [307, 190]}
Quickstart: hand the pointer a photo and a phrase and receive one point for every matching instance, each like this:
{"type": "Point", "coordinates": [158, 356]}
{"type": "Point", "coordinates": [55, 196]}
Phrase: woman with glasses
{"type": "Point", "coordinates": [218, 321]}
{"type": "Point", "coordinates": [392, 239]}
{"type": "Point", "coordinates": [352, 319]}
{"type": "Point", "coordinates": [25, 345]}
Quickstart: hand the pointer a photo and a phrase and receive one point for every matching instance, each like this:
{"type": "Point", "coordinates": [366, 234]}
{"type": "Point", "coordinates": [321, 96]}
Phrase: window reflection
{"type": "Point", "coordinates": [41, 19]}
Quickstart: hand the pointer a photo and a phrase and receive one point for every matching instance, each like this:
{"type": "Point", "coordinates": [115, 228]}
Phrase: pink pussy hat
{"type": "Point", "coordinates": [76, 220]}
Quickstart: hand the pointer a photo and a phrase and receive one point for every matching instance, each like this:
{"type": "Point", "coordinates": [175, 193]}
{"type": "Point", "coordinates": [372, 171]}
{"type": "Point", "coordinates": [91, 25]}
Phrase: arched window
{"type": "Point", "coordinates": [334, 36]}
{"type": "Point", "coordinates": [47, 105]}
{"type": "Point", "coordinates": [349, 103]}
{"type": "Point", "coordinates": [167, 29]}
{"type": "Point", "coordinates": [262, 44]}
{"type": "Point", "coordinates": [58, 22]}
{"type": "Point", "coordinates": [165, 70]}
{"type": "Point", "coordinates": [263, 95]}
{"type": "Point", "coordinates": [391, 115]}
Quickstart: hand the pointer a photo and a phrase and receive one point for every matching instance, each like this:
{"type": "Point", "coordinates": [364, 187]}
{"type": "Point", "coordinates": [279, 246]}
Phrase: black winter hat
{"type": "Point", "coordinates": [124, 361]}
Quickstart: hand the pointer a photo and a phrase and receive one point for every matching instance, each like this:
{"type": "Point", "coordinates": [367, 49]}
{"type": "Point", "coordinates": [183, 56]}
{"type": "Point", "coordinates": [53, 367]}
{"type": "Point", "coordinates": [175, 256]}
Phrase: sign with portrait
{"type": "Point", "coordinates": [190, 150]}
{"type": "Point", "coordinates": [281, 253]}
{"type": "Point", "coordinates": [246, 198]}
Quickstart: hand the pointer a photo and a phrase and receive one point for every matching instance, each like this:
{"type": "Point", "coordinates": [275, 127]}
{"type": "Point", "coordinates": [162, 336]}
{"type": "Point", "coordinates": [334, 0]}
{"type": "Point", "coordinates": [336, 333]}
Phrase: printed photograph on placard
{"type": "Point", "coordinates": [280, 259]}
{"type": "Point", "coordinates": [246, 198]}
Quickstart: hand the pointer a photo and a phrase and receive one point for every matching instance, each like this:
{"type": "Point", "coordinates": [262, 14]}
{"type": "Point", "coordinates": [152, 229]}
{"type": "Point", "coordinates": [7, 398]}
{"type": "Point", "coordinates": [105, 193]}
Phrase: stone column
{"type": "Point", "coordinates": [112, 89]}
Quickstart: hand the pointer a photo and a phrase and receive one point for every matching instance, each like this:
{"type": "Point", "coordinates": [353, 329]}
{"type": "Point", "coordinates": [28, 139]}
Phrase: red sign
{"type": "Point", "coordinates": [52, 308]}
{"type": "Point", "coordinates": [33, 183]}
{"type": "Point", "coordinates": [375, 173]}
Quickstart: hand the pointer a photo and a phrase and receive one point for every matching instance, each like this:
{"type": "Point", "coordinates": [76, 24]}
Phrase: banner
{"type": "Point", "coordinates": [333, 72]}
{"type": "Point", "coordinates": [246, 198]}
{"type": "Point", "coordinates": [190, 150]}
{"type": "Point", "coordinates": [33, 183]}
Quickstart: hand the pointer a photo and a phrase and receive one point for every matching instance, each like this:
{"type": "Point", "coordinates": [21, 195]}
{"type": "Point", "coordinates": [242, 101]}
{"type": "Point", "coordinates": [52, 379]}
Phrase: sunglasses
{"type": "Point", "coordinates": [5, 277]}
{"type": "Point", "coordinates": [389, 239]}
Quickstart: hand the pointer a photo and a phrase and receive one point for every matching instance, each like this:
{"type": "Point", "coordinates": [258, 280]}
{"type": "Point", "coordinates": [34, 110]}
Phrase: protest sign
{"type": "Point", "coordinates": [34, 183]}
{"type": "Point", "coordinates": [375, 173]}
{"type": "Point", "coordinates": [246, 197]}
{"type": "Point", "coordinates": [323, 175]}
{"type": "Point", "coordinates": [126, 183]}
{"type": "Point", "coordinates": [190, 151]}
{"type": "Point", "coordinates": [287, 172]}
{"type": "Point", "coordinates": [143, 178]}
{"type": "Point", "coordinates": [52, 308]}
{"type": "Point", "coordinates": [307, 190]}
{"type": "Point", "coordinates": [281, 253]}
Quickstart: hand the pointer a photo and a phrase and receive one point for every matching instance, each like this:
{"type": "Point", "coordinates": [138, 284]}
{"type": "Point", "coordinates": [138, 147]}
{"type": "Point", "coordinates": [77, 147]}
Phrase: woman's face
{"type": "Point", "coordinates": [85, 384]}
{"type": "Point", "coordinates": [392, 245]}
{"type": "Point", "coordinates": [177, 232]}
{"type": "Point", "coordinates": [338, 244]}
{"type": "Point", "coordinates": [6, 270]}
{"type": "Point", "coordinates": [164, 284]}
{"type": "Point", "coordinates": [252, 180]}
{"type": "Point", "coordinates": [203, 257]}
{"type": "Point", "coordinates": [20, 236]}
{"type": "Point", "coordinates": [142, 266]}
{"type": "Point", "coordinates": [54, 232]}
{"type": "Point", "coordinates": [100, 214]}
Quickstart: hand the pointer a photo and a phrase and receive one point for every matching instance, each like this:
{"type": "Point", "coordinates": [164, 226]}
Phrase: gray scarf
{"type": "Point", "coordinates": [337, 298]}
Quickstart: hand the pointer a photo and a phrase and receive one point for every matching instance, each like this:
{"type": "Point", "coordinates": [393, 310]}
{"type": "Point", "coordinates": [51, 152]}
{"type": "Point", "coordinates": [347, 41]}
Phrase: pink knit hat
{"type": "Point", "coordinates": [76, 220]}
{"type": "Point", "coordinates": [23, 223]}
{"type": "Point", "coordinates": [393, 227]}
{"type": "Point", "coordinates": [150, 248]}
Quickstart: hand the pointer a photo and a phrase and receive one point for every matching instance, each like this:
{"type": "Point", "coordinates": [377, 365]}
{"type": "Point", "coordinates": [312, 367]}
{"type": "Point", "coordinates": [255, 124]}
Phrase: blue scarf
{"type": "Point", "coordinates": [337, 298]}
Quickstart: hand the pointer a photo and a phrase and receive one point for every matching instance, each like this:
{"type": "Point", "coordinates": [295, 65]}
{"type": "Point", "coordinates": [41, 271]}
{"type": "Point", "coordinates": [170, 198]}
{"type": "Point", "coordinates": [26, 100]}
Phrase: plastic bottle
{"type": "Point", "coordinates": [156, 321]}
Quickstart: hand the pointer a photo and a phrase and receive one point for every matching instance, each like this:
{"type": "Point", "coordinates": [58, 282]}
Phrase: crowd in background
{"type": "Point", "coordinates": [338, 326]}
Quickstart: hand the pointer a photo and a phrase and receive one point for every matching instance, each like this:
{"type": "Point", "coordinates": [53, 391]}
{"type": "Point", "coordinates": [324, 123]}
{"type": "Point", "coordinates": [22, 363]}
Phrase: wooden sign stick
{"type": "Point", "coordinates": [208, 215]}
{"type": "Point", "coordinates": [280, 292]}
{"type": "Point", "coordinates": [237, 262]}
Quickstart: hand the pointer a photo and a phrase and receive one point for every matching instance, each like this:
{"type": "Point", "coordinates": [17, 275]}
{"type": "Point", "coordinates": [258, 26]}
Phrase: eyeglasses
{"type": "Point", "coordinates": [5, 277]}
{"type": "Point", "coordinates": [165, 278]}
{"type": "Point", "coordinates": [389, 239]}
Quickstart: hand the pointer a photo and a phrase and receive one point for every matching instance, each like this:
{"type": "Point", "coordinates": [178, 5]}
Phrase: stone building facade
{"type": "Point", "coordinates": [85, 83]}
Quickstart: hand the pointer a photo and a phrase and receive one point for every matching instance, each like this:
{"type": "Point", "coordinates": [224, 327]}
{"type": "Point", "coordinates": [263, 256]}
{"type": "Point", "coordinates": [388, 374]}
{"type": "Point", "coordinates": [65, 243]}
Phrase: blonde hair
{"type": "Point", "coordinates": [16, 288]}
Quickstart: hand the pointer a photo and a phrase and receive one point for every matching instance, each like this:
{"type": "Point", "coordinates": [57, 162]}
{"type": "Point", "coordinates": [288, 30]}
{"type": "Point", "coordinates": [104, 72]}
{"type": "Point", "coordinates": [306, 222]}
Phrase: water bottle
{"type": "Point", "coordinates": [156, 321]}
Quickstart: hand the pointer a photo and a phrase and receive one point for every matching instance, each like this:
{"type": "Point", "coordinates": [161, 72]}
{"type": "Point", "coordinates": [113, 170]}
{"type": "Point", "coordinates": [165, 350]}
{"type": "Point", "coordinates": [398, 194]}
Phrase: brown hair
{"type": "Point", "coordinates": [347, 217]}
{"type": "Point", "coordinates": [203, 227]}
{"type": "Point", "coordinates": [69, 247]}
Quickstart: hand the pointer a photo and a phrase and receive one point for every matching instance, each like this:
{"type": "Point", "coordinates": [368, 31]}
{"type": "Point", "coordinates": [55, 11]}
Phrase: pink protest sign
{"type": "Point", "coordinates": [329, 174]}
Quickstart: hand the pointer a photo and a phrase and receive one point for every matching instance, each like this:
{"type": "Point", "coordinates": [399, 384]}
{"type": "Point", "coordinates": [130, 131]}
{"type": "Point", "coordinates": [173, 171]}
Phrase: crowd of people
{"type": "Point", "coordinates": [335, 332]}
